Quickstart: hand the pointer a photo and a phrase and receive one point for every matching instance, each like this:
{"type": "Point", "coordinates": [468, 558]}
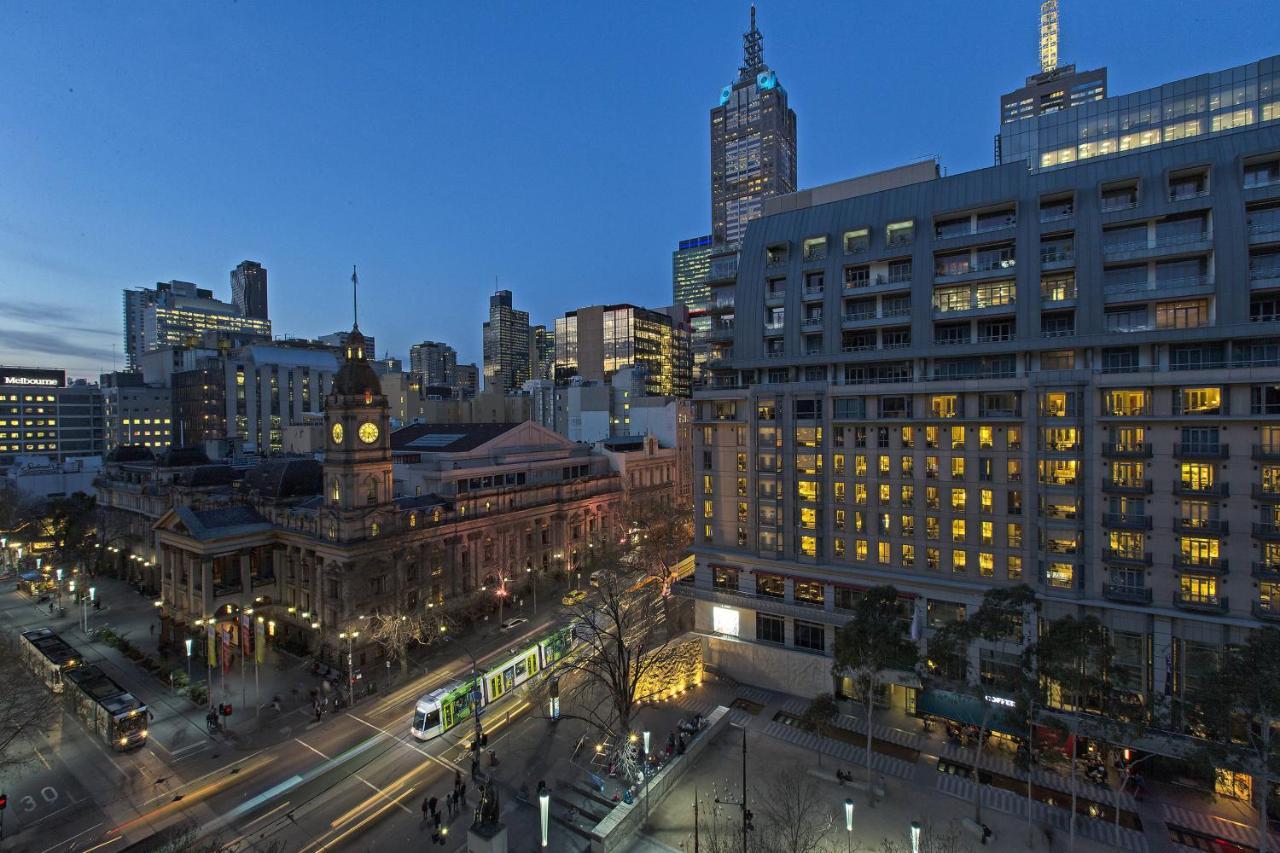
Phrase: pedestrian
{"type": "Point", "coordinates": [153, 629]}
{"type": "Point", "coordinates": [457, 779]}
{"type": "Point", "coordinates": [317, 712]}
{"type": "Point", "coordinates": [448, 801]}
{"type": "Point", "coordinates": [463, 793]}
{"type": "Point", "coordinates": [426, 809]}
{"type": "Point", "coordinates": [433, 802]}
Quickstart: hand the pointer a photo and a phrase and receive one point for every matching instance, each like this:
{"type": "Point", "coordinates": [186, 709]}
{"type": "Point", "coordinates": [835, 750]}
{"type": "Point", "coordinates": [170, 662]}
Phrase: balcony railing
{"type": "Point", "coordinates": [1127, 450]}
{"type": "Point", "coordinates": [1200, 525]}
{"type": "Point", "coordinates": [813, 292]}
{"type": "Point", "coordinates": [1202, 451]}
{"type": "Point", "coordinates": [1266, 530]}
{"type": "Point", "coordinates": [811, 322]}
{"type": "Point", "coordinates": [1202, 603]}
{"type": "Point", "coordinates": [1119, 202]}
{"type": "Point", "coordinates": [1127, 594]}
{"type": "Point", "coordinates": [1212, 565]}
{"type": "Point", "coordinates": [815, 253]}
{"type": "Point", "coordinates": [1202, 490]}
{"type": "Point", "coordinates": [1126, 521]}
{"type": "Point", "coordinates": [1263, 273]}
{"type": "Point", "coordinates": [1056, 256]}
{"type": "Point", "coordinates": [1127, 487]}
{"type": "Point", "coordinates": [1259, 492]}
{"type": "Point", "coordinates": [1265, 571]}
{"type": "Point", "coordinates": [1133, 558]}
{"type": "Point", "coordinates": [1269, 611]}
{"type": "Point", "coordinates": [1265, 452]}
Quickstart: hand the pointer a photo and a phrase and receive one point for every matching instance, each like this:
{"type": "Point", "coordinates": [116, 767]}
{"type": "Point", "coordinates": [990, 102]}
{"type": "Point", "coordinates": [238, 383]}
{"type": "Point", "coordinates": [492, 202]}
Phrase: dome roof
{"type": "Point", "coordinates": [356, 378]}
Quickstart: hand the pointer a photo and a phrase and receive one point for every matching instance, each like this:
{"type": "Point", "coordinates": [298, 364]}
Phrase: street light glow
{"type": "Point", "coordinates": [848, 814]}
{"type": "Point", "coordinates": [915, 836]}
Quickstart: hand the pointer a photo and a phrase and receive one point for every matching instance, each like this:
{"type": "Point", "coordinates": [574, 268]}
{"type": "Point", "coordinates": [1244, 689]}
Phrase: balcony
{"type": "Point", "coordinates": [813, 321]}
{"type": "Point", "coordinates": [1200, 603]}
{"type": "Point", "coordinates": [721, 331]}
{"type": "Point", "coordinates": [813, 254]}
{"type": "Point", "coordinates": [1265, 494]}
{"type": "Point", "coordinates": [1126, 594]}
{"type": "Point", "coordinates": [1265, 452]}
{"type": "Point", "coordinates": [1201, 490]}
{"type": "Point", "coordinates": [1269, 611]}
{"type": "Point", "coordinates": [1161, 245]}
{"type": "Point", "coordinates": [1264, 232]}
{"type": "Point", "coordinates": [812, 294]}
{"type": "Point", "coordinates": [1126, 521]}
{"type": "Point", "coordinates": [1127, 450]}
{"type": "Point", "coordinates": [1161, 287]}
{"type": "Point", "coordinates": [774, 328]}
{"type": "Point", "coordinates": [1207, 565]}
{"type": "Point", "coordinates": [717, 356]}
{"type": "Point", "coordinates": [1264, 571]}
{"type": "Point", "coordinates": [1202, 451]}
{"type": "Point", "coordinates": [1056, 257]}
{"type": "Point", "coordinates": [1127, 487]}
{"type": "Point", "coordinates": [1128, 558]}
{"type": "Point", "coordinates": [1193, 526]}
{"type": "Point", "coordinates": [1265, 530]}
{"type": "Point", "coordinates": [775, 298]}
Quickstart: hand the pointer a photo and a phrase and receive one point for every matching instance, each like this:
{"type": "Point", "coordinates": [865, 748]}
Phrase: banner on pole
{"type": "Point", "coordinates": [260, 642]}
{"type": "Point", "coordinates": [211, 645]}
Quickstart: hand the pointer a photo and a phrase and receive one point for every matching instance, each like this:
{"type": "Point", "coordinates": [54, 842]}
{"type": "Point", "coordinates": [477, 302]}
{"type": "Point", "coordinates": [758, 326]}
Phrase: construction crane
{"type": "Point", "coordinates": [1048, 36]}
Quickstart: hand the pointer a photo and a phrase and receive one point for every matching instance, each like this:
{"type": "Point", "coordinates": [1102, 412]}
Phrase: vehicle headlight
{"type": "Point", "coordinates": [124, 741]}
{"type": "Point", "coordinates": [144, 732]}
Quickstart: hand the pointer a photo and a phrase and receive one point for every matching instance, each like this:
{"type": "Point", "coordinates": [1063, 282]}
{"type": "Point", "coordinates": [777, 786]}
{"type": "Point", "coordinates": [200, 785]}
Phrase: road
{"type": "Point", "coordinates": [334, 785]}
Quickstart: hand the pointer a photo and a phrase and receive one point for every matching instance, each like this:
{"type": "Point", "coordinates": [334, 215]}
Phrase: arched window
{"type": "Point", "coordinates": [337, 491]}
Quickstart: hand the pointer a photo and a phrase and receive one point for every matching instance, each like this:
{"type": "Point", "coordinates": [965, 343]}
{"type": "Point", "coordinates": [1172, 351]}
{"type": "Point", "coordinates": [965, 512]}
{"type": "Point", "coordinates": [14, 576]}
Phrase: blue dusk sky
{"type": "Point", "coordinates": [559, 149]}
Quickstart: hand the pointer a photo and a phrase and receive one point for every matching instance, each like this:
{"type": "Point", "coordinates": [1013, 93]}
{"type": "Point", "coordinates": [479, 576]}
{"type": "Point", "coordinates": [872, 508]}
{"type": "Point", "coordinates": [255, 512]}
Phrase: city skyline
{"type": "Point", "coordinates": [88, 113]}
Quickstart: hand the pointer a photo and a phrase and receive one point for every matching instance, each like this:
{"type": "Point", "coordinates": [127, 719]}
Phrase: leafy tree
{"type": "Point", "coordinates": [871, 643]}
{"type": "Point", "coordinates": [999, 621]}
{"type": "Point", "coordinates": [820, 715]}
{"type": "Point", "coordinates": [1074, 659]}
{"type": "Point", "coordinates": [1236, 710]}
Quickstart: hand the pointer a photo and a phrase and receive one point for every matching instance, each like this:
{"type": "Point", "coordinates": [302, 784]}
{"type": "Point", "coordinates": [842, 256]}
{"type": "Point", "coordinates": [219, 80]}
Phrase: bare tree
{"type": "Point", "coordinates": [820, 715]}
{"type": "Point", "coordinates": [659, 535]}
{"type": "Point", "coordinates": [795, 815]}
{"type": "Point", "coordinates": [621, 639]}
{"type": "Point", "coordinates": [933, 839]}
{"type": "Point", "coordinates": [24, 704]}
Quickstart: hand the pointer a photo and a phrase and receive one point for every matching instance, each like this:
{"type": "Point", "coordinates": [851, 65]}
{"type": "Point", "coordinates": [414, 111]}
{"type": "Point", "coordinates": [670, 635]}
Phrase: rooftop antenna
{"type": "Point", "coordinates": [355, 301]}
{"type": "Point", "coordinates": [1048, 36]}
{"type": "Point", "coordinates": [752, 47]}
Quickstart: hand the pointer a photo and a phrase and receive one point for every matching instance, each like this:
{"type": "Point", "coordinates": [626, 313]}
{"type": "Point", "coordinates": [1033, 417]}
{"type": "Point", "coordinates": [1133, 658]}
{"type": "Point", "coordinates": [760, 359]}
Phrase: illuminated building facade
{"type": "Point", "coordinates": [596, 342]}
{"type": "Point", "coordinates": [135, 413]}
{"type": "Point", "coordinates": [249, 289]}
{"type": "Point", "coordinates": [434, 363]}
{"type": "Point", "coordinates": [506, 345]}
{"type": "Point", "coordinates": [753, 143]}
{"type": "Point", "coordinates": [1068, 378]}
{"type": "Point", "coordinates": [174, 313]}
{"type": "Point", "coordinates": [40, 414]}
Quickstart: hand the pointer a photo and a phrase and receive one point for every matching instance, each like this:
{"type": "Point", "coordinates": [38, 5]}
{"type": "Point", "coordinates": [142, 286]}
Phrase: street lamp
{"type": "Point", "coordinates": [645, 776]}
{"type": "Point", "coordinates": [501, 592]}
{"type": "Point", "coordinates": [93, 595]}
{"type": "Point", "coordinates": [189, 644]}
{"type": "Point", "coordinates": [915, 836]}
{"type": "Point", "coordinates": [350, 637]}
{"type": "Point", "coordinates": [848, 820]}
{"type": "Point", "coordinates": [544, 810]}
{"type": "Point", "coordinates": [533, 579]}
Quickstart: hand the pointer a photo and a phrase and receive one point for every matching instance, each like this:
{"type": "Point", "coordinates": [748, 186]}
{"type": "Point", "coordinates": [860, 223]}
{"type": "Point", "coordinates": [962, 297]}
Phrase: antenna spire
{"type": "Point", "coordinates": [1048, 36]}
{"type": "Point", "coordinates": [355, 298]}
{"type": "Point", "coordinates": [752, 47]}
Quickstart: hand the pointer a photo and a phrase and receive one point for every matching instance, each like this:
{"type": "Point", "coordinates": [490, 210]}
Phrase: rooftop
{"type": "Point", "coordinates": [446, 438]}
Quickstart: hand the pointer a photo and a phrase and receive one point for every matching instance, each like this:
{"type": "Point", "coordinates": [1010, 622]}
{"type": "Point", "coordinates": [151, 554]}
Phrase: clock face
{"type": "Point", "coordinates": [368, 432]}
{"type": "Point", "coordinates": [337, 433]}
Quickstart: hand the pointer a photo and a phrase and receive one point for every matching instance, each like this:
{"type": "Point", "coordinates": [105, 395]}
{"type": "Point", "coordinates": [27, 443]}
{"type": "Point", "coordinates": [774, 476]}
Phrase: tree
{"type": "Point", "coordinates": [394, 632]}
{"type": "Point", "coordinates": [999, 621]}
{"type": "Point", "coordinates": [871, 643]}
{"type": "Point", "coordinates": [71, 522]}
{"type": "Point", "coordinates": [659, 538]}
{"type": "Point", "coordinates": [1074, 659]}
{"type": "Point", "coordinates": [795, 815]}
{"type": "Point", "coordinates": [621, 638]}
{"type": "Point", "coordinates": [948, 839]}
{"type": "Point", "coordinates": [24, 704]}
{"type": "Point", "coordinates": [820, 716]}
{"type": "Point", "coordinates": [1236, 710]}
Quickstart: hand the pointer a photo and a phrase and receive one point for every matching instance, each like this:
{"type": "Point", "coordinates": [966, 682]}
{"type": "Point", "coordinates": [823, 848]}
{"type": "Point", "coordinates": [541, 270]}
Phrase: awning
{"type": "Point", "coordinates": [963, 708]}
{"type": "Point", "coordinates": [30, 576]}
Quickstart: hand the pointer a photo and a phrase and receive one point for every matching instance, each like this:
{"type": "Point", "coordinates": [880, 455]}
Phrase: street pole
{"type": "Point", "coordinates": [188, 642]}
{"type": "Point", "coordinates": [744, 789]}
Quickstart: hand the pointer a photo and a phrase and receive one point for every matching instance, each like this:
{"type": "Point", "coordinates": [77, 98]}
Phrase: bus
{"type": "Point", "coordinates": [48, 655]}
{"type": "Point", "coordinates": [447, 706]}
{"type": "Point", "coordinates": [109, 711]}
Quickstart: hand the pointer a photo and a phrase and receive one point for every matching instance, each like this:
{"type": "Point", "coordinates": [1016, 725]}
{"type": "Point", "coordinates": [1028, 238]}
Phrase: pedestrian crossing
{"type": "Point", "coordinates": [840, 751]}
{"type": "Point", "coordinates": [758, 694]}
{"type": "Point", "coordinates": [1008, 802]}
{"type": "Point", "coordinates": [997, 763]}
{"type": "Point", "coordinates": [1214, 826]}
{"type": "Point", "coordinates": [857, 724]}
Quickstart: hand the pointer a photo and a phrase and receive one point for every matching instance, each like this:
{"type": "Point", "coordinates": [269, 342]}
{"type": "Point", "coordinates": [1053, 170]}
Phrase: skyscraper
{"type": "Point", "coordinates": [1056, 87]}
{"type": "Point", "coordinates": [753, 143]}
{"type": "Point", "coordinates": [542, 352]}
{"type": "Point", "coordinates": [175, 312]}
{"type": "Point", "coordinates": [690, 268]}
{"type": "Point", "coordinates": [506, 344]}
{"type": "Point", "coordinates": [249, 289]}
{"type": "Point", "coordinates": [436, 363]}
{"type": "Point", "coordinates": [596, 342]}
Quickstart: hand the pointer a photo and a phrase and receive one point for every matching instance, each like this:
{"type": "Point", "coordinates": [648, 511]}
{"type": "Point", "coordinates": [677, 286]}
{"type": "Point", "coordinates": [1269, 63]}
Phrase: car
{"type": "Point", "coordinates": [573, 597]}
{"type": "Point", "coordinates": [513, 623]}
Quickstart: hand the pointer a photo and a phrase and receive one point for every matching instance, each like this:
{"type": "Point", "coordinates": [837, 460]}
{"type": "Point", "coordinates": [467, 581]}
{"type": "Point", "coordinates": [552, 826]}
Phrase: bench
{"type": "Point", "coordinates": [857, 783]}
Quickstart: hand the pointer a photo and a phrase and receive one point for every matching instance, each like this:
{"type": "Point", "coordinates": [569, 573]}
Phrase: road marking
{"type": "Point", "coordinates": [169, 794]}
{"type": "Point", "coordinates": [106, 843]}
{"type": "Point", "coordinates": [40, 756]}
{"type": "Point", "coordinates": [313, 749]}
{"type": "Point", "coordinates": [64, 845]}
{"type": "Point", "coordinates": [441, 761]}
{"type": "Point", "coordinates": [355, 775]}
{"type": "Point", "coordinates": [266, 815]}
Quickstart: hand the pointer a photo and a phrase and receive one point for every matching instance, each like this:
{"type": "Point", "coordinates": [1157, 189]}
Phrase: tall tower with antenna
{"type": "Point", "coordinates": [1055, 87]}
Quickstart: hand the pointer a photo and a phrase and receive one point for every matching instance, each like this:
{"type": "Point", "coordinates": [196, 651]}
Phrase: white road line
{"type": "Point", "coordinates": [441, 761]}
{"type": "Point", "coordinates": [40, 756]}
{"type": "Point", "coordinates": [169, 794]}
{"type": "Point", "coordinates": [63, 845]}
{"type": "Point", "coordinates": [266, 815]}
{"type": "Point", "coordinates": [372, 786]}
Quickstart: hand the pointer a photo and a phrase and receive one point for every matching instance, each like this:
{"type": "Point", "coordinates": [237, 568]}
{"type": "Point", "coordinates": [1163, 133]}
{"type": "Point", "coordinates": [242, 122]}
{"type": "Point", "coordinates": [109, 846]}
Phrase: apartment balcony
{"type": "Point", "coordinates": [1202, 451]}
{"type": "Point", "coordinates": [1128, 487]}
{"type": "Point", "coordinates": [1170, 244]}
{"type": "Point", "coordinates": [1264, 232]}
{"type": "Point", "coordinates": [1200, 604]}
{"type": "Point", "coordinates": [1126, 521]}
{"type": "Point", "coordinates": [1126, 450]}
{"type": "Point", "coordinates": [721, 331]}
{"type": "Point", "coordinates": [858, 319]}
{"type": "Point", "coordinates": [1201, 490]}
{"type": "Point", "coordinates": [1190, 285]}
{"type": "Point", "coordinates": [1265, 452]}
{"type": "Point", "coordinates": [1195, 526]}
{"type": "Point", "coordinates": [1264, 571]}
{"type": "Point", "coordinates": [813, 294]}
{"type": "Point", "coordinates": [1269, 612]}
{"type": "Point", "coordinates": [1262, 493]}
{"type": "Point", "coordinates": [720, 356]}
{"type": "Point", "coordinates": [814, 254]}
{"type": "Point", "coordinates": [774, 328]}
{"type": "Point", "coordinates": [775, 299]}
{"type": "Point", "coordinates": [1207, 565]}
{"type": "Point", "coordinates": [811, 322]}
{"type": "Point", "coordinates": [1126, 594]}
{"type": "Point", "coordinates": [1266, 530]}
{"type": "Point", "coordinates": [1126, 558]}
{"type": "Point", "coordinates": [1056, 259]}
{"type": "Point", "coordinates": [1263, 277]}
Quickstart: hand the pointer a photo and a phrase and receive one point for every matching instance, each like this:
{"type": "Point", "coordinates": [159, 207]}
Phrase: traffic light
{"type": "Point", "coordinates": [4, 801]}
{"type": "Point", "coordinates": [225, 709]}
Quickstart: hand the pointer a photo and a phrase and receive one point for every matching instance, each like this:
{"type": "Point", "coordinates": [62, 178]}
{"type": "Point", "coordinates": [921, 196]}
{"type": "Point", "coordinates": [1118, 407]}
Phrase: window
{"type": "Point", "coordinates": [1126, 403]}
{"type": "Point", "coordinates": [1126, 319]}
{"type": "Point", "coordinates": [959, 562]}
{"type": "Point", "coordinates": [724, 577]}
{"type": "Point", "coordinates": [1182, 314]}
{"type": "Point", "coordinates": [957, 438]}
{"type": "Point", "coordinates": [810, 635]}
{"type": "Point", "coordinates": [1013, 535]}
{"type": "Point", "coordinates": [810, 592]}
{"type": "Point", "coordinates": [1198, 401]}
{"type": "Point", "coordinates": [958, 530]}
{"type": "Point", "coordinates": [986, 564]}
{"type": "Point", "coordinates": [900, 233]}
{"type": "Point", "coordinates": [856, 242]}
{"type": "Point", "coordinates": [725, 620]}
{"type": "Point", "coordinates": [1014, 567]}
{"type": "Point", "coordinates": [771, 629]}
{"type": "Point", "coordinates": [1060, 575]}
{"type": "Point", "coordinates": [943, 405]}
{"type": "Point", "coordinates": [770, 586]}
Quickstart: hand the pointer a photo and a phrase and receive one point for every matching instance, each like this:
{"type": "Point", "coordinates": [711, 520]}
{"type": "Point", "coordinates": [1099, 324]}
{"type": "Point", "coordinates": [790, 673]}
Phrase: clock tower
{"type": "Point", "coordinates": [357, 459]}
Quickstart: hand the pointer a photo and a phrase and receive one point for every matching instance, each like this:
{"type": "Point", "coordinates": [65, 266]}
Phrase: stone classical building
{"type": "Point", "coordinates": [428, 516]}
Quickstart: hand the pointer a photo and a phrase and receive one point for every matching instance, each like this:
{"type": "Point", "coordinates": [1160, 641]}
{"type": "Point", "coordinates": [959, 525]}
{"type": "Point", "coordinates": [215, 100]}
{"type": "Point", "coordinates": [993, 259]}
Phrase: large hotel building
{"type": "Point", "coordinates": [1063, 371]}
